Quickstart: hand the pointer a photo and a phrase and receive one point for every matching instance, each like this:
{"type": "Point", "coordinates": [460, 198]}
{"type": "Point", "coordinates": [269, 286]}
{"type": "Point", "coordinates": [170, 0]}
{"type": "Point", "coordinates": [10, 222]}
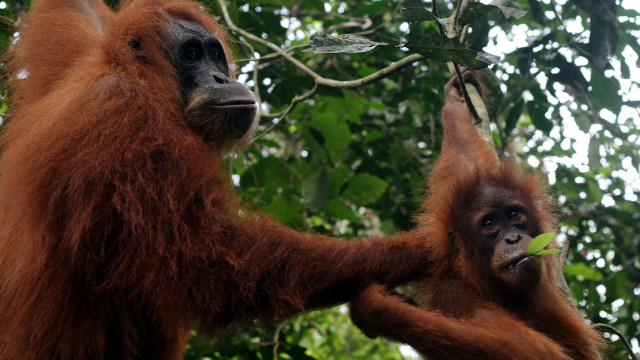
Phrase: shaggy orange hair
{"type": "Point", "coordinates": [118, 230]}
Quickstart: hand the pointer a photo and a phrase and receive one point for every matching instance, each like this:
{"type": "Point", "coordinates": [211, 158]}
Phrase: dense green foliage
{"type": "Point", "coordinates": [351, 162]}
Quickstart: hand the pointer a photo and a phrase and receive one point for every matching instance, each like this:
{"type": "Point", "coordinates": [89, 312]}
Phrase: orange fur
{"type": "Point", "coordinates": [463, 315]}
{"type": "Point", "coordinates": [118, 232]}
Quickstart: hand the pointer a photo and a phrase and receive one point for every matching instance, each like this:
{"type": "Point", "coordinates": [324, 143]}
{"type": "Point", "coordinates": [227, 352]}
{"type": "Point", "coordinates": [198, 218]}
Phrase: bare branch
{"type": "Point", "coordinates": [256, 77]}
{"type": "Point", "coordinates": [294, 101]}
{"type": "Point", "coordinates": [384, 23]}
{"type": "Point", "coordinates": [373, 77]}
{"type": "Point", "coordinates": [364, 25]}
{"type": "Point", "coordinates": [275, 342]}
{"type": "Point", "coordinates": [272, 46]}
{"type": "Point", "coordinates": [272, 56]}
{"type": "Point", "coordinates": [284, 113]}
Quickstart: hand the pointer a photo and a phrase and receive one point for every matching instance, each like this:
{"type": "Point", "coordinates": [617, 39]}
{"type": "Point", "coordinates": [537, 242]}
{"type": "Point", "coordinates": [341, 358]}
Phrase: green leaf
{"type": "Point", "coordinates": [369, 8]}
{"type": "Point", "coordinates": [315, 188]}
{"type": "Point", "coordinates": [442, 48]}
{"type": "Point", "coordinates": [583, 272]}
{"type": "Point", "coordinates": [621, 286]}
{"type": "Point", "coordinates": [594, 154]}
{"type": "Point", "coordinates": [373, 136]}
{"type": "Point", "coordinates": [547, 252]}
{"type": "Point", "coordinates": [539, 242]}
{"type": "Point", "coordinates": [286, 211]}
{"type": "Point", "coordinates": [625, 71]}
{"type": "Point", "coordinates": [513, 115]}
{"type": "Point", "coordinates": [583, 119]}
{"type": "Point", "coordinates": [335, 208]}
{"type": "Point", "coordinates": [538, 118]}
{"type": "Point", "coordinates": [331, 132]}
{"type": "Point", "coordinates": [336, 44]}
{"type": "Point", "coordinates": [476, 10]}
{"type": "Point", "coordinates": [604, 92]}
{"type": "Point", "coordinates": [594, 190]}
{"type": "Point", "coordinates": [507, 8]}
{"type": "Point", "coordinates": [412, 3]}
{"type": "Point", "coordinates": [365, 189]}
{"type": "Point", "coordinates": [266, 173]}
{"type": "Point", "coordinates": [339, 177]}
{"type": "Point", "coordinates": [317, 136]}
{"type": "Point", "coordinates": [418, 14]}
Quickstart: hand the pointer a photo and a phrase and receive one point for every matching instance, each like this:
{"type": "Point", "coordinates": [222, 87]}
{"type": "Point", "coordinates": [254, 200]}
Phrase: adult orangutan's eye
{"type": "Point", "coordinates": [192, 51]}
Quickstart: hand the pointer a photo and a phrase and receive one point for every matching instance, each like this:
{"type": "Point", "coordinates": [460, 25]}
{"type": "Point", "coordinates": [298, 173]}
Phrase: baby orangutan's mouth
{"type": "Point", "coordinates": [515, 262]}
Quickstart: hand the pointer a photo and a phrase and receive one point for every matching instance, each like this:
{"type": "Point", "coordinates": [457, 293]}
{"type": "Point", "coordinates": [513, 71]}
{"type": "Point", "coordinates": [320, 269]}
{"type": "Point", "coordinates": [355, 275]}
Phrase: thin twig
{"type": "Point", "coordinates": [434, 10]}
{"type": "Point", "coordinates": [275, 342]}
{"type": "Point", "coordinates": [463, 36]}
{"type": "Point", "coordinates": [384, 23]}
{"type": "Point", "coordinates": [318, 79]}
{"type": "Point", "coordinates": [384, 72]}
{"type": "Point", "coordinates": [297, 99]}
{"type": "Point", "coordinates": [284, 113]}
{"type": "Point", "coordinates": [362, 25]}
{"type": "Point", "coordinates": [615, 331]}
{"type": "Point", "coordinates": [256, 77]}
{"type": "Point", "coordinates": [272, 56]}
{"type": "Point", "coordinates": [274, 47]}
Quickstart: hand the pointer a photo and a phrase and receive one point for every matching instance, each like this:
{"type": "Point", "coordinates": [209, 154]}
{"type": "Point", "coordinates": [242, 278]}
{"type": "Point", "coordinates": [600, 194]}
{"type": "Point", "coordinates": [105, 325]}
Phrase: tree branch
{"type": "Point", "coordinates": [471, 95]}
{"type": "Point", "coordinates": [318, 79]}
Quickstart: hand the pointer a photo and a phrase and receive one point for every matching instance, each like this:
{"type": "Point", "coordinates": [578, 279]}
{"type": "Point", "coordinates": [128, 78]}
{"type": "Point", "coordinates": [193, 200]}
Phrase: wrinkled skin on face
{"type": "Point", "coordinates": [218, 108]}
{"type": "Point", "coordinates": [505, 228]}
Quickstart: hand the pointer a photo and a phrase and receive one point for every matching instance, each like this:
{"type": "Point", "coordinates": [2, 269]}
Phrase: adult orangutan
{"type": "Point", "coordinates": [484, 299]}
{"type": "Point", "coordinates": [118, 232]}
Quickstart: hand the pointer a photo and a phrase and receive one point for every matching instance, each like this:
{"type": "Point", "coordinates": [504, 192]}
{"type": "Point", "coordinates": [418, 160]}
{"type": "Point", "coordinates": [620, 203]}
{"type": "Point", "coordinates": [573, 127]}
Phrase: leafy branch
{"type": "Point", "coordinates": [317, 78]}
{"type": "Point", "coordinates": [449, 46]}
{"type": "Point", "coordinates": [437, 47]}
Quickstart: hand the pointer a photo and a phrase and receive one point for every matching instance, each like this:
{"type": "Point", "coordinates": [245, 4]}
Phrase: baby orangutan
{"type": "Point", "coordinates": [485, 298]}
